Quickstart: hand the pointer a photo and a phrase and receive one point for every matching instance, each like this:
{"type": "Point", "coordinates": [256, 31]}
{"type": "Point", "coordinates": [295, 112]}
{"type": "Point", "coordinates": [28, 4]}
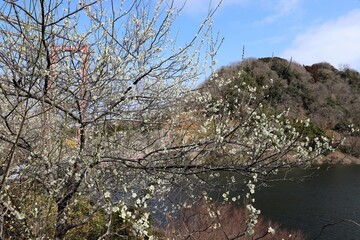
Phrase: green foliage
{"type": "Point", "coordinates": [352, 77]}
{"type": "Point", "coordinates": [312, 131]}
{"type": "Point", "coordinates": [97, 224]}
{"type": "Point", "coordinates": [35, 205]}
{"type": "Point", "coordinates": [274, 94]}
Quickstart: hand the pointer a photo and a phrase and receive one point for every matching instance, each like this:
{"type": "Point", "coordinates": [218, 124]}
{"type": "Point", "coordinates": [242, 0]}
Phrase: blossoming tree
{"type": "Point", "coordinates": [107, 153]}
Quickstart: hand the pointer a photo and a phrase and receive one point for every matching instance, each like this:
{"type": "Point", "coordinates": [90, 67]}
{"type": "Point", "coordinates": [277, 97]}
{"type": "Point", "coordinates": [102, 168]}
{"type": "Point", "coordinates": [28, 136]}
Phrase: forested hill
{"type": "Point", "coordinates": [328, 96]}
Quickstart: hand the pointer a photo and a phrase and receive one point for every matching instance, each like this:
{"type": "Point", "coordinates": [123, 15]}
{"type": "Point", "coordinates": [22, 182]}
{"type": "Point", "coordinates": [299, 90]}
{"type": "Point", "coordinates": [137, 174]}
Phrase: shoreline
{"type": "Point", "coordinates": [338, 158]}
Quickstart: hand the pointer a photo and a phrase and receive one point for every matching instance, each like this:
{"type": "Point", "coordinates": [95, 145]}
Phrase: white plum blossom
{"type": "Point", "coordinates": [107, 194]}
{"type": "Point", "coordinates": [271, 230]}
{"type": "Point", "coordinates": [100, 110]}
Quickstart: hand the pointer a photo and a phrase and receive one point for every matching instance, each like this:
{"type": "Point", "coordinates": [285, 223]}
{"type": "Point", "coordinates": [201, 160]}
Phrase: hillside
{"type": "Point", "coordinates": [328, 96]}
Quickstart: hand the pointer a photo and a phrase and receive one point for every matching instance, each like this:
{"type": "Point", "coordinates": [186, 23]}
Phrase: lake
{"type": "Point", "coordinates": [326, 196]}
{"type": "Point", "coordinates": [329, 197]}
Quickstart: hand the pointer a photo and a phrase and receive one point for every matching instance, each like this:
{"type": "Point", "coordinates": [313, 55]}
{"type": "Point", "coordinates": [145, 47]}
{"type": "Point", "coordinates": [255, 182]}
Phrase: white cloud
{"type": "Point", "coordinates": [286, 7]}
{"type": "Point", "coordinates": [336, 42]}
{"type": "Point", "coordinates": [280, 8]}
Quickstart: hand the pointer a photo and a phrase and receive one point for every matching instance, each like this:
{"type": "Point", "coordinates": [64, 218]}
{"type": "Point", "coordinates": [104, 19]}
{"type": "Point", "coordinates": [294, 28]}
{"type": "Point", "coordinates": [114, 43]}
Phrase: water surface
{"type": "Point", "coordinates": [331, 196]}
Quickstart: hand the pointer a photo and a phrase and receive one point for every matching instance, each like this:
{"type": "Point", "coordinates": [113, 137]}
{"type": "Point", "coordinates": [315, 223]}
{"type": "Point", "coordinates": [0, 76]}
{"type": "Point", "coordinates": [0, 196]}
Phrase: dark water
{"type": "Point", "coordinates": [325, 197]}
{"type": "Point", "coordinates": [331, 196]}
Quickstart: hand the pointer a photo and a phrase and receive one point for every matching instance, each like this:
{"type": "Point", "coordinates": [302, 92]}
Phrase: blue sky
{"type": "Point", "coordinates": [308, 31]}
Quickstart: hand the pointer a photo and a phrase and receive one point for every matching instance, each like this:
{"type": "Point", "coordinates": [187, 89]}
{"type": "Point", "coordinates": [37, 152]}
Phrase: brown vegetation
{"type": "Point", "coordinates": [329, 97]}
{"type": "Point", "coordinates": [222, 221]}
